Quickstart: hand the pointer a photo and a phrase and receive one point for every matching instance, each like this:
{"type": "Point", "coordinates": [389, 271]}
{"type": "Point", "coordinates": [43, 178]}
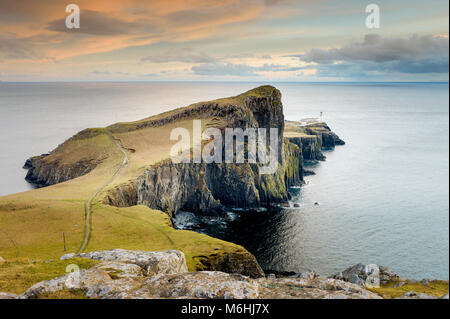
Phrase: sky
{"type": "Point", "coordinates": [224, 40]}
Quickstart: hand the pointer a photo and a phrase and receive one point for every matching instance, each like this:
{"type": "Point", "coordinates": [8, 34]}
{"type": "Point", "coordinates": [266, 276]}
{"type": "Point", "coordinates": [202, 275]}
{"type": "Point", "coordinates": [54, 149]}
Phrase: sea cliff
{"type": "Point", "coordinates": [206, 188]}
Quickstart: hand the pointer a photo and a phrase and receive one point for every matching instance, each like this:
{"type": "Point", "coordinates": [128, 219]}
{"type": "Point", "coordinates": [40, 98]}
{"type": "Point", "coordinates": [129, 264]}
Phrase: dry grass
{"type": "Point", "coordinates": [436, 288]}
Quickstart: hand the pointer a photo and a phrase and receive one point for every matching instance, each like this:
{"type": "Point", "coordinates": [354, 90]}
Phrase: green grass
{"type": "Point", "coordinates": [436, 288]}
{"type": "Point", "coordinates": [18, 274]}
{"type": "Point", "coordinates": [64, 294]}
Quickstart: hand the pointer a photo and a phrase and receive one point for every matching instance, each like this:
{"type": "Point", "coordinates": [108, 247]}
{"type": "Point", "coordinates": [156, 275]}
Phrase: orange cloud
{"type": "Point", "coordinates": [112, 24]}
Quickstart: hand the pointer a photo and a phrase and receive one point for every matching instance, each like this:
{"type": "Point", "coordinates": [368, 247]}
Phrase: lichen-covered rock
{"type": "Point", "coordinates": [94, 283]}
{"type": "Point", "coordinates": [312, 286]}
{"type": "Point", "coordinates": [359, 273]}
{"type": "Point", "coordinates": [239, 262]}
{"type": "Point", "coordinates": [6, 295]}
{"type": "Point", "coordinates": [118, 270]}
{"type": "Point", "coordinates": [415, 295]}
{"type": "Point", "coordinates": [159, 262]}
{"type": "Point", "coordinates": [203, 284]}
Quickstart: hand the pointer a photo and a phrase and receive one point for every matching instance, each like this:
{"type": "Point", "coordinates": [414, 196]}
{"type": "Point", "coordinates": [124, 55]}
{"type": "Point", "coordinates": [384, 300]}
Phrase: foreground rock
{"type": "Point", "coordinates": [5, 295]}
{"type": "Point", "coordinates": [203, 284]}
{"type": "Point", "coordinates": [312, 286]}
{"type": "Point", "coordinates": [415, 295]}
{"type": "Point", "coordinates": [390, 285]}
{"type": "Point", "coordinates": [125, 274]}
{"type": "Point", "coordinates": [359, 273]}
{"type": "Point", "coordinates": [154, 262]}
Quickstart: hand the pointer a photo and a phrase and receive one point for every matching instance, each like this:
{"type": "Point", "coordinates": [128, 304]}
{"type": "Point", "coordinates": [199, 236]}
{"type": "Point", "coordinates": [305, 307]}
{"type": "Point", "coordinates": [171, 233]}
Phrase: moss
{"type": "Point", "coordinates": [436, 288]}
{"type": "Point", "coordinates": [64, 294]}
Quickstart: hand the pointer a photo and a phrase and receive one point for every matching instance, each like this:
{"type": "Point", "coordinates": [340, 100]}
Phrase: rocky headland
{"type": "Point", "coordinates": [204, 188]}
{"type": "Point", "coordinates": [151, 181]}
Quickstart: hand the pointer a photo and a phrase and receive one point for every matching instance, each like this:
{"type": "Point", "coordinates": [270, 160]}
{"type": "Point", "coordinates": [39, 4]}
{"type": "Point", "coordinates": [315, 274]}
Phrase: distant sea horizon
{"type": "Point", "coordinates": [384, 196]}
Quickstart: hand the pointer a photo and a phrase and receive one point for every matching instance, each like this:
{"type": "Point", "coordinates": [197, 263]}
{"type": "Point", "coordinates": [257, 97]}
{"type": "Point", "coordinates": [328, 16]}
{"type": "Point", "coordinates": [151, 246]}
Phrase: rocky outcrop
{"type": "Point", "coordinates": [5, 295]}
{"type": "Point", "coordinates": [311, 286]}
{"type": "Point", "coordinates": [327, 137]}
{"type": "Point", "coordinates": [125, 275]}
{"type": "Point", "coordinates": [239, 262]}
{"type": "Point", "coordinates": [415, 295]}
{"type": "Point", "coordinates": [203, 284]}
{"type": "Point", "coordinates": [311, 146]}
{"type": "Point", "coordinates": [159, 262]}
{"type": "Point", "coordinates": [359, 273]}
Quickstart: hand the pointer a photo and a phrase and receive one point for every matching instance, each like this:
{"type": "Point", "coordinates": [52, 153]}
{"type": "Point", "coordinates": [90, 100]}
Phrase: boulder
{"type": "Point", "coordinates": [312, 286]}
{"type": "Point", "coordinates": [359, 273]}
{"type": "Point", "coordinates": [93, 282]}
{"type": "Point", "coordinates": [1, 260]}
{"type": "Point", "coordinates": [202, 284]}
{"type": "Point", "coordinates": [6, 295]}
{"type": "Point", "coordinates": [159, 262]}
{"type": "Point", "coordinates": [118, 270]}
{"type": "Point", "coordinates": [444, 296]}
{"type": "Point", "coordinates": [415, 295]}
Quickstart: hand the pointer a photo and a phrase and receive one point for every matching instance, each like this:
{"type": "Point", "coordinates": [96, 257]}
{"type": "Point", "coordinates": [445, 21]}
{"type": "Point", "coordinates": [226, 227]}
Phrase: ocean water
{"type": "Point", "coordinates": [384, 196]}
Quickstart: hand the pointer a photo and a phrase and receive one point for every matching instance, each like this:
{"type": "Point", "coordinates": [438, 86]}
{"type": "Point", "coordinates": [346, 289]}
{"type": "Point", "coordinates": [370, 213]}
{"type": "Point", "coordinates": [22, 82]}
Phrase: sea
{"type": "Point", "coordinates": [383, 197]}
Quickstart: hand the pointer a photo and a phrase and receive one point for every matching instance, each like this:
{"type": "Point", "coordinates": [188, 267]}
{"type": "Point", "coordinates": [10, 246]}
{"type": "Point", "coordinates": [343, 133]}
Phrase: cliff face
{"type": "Point", "coordinates": [327, 137]}
{"type": "Point", "coordinates": [311, 147]}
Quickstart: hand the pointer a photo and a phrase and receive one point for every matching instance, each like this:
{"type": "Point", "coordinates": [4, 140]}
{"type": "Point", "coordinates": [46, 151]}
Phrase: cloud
{"type": "Point", "coordinates": [375, 48]}
{"type": "Point", "coordinates": [13, 47]}
{"type": "Point", "coordinates": [97, 23]}
{"type": "Point", "coordinates": [185, 57]}
{"type": "Point", "coordinates": [224, 69]}
{"type": "Point", "coordinates": [378, 55]}
{"type": "Point", "coordinates": [230, 69]}
{"type": "Point", "coordinates": [96, 72]}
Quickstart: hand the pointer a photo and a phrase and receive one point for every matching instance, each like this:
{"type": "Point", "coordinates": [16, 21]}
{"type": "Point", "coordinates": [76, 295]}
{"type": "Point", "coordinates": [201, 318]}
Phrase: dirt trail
{"type": "Point", "coordinates": [89, 203]}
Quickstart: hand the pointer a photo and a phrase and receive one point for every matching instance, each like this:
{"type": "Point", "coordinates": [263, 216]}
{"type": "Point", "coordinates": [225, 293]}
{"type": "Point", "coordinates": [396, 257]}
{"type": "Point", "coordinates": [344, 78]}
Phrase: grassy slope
{"type": "Point", "coordinates": [32, 222]}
